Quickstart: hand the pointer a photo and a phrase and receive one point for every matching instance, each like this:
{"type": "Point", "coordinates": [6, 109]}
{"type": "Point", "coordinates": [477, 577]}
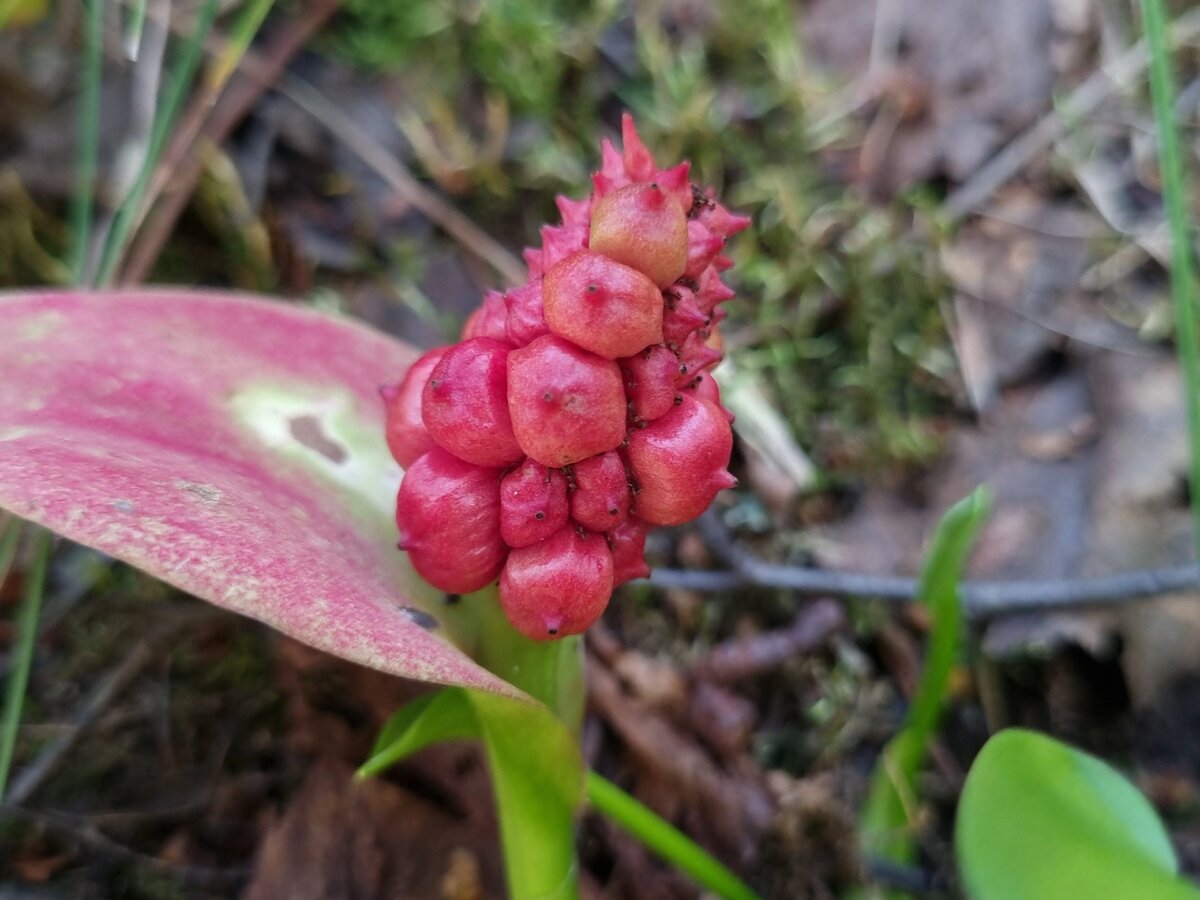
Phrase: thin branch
{"type": "Point", "coordinates": [82, 830]}
{"type": "Point", "coordinates": [982, 599]}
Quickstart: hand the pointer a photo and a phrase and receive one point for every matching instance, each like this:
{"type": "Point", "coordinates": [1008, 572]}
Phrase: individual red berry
{"type": "Point", "coordinates": [601, 305]}
{"type": "Point", "coordinates": [558, 586]}
{"type": "Point", "coordinates": [490, 320]}
{"type": "Point", "coordinates": [600, 500]}
{"type": "Point", "coordinates": [697, 355]}
{"type": "Point", "coordinates": [566, 404]}
{"type": "Point", "coordinates": [526, 319]}
{"type": "Point", "coordinates": [448, 513]}
{"type": "Point", "coordinates": [628, 545]}
{"type": "Point", "coordinates": [679, 462]}
{"type": "Point", "coordinates": [406, 434]}
{"type": "Point", "coordinates": [705, 387]}
{"type": "Point", "coordinates": [683, 316]}
{"type": "Point", "coordinates": [533, 503]}
{"type": "Point", "coordinates": [465, 403]}
{"type": "Point", "coordinates": [650, 378]}
{"type": "Point", "coordinates": [642, 226]}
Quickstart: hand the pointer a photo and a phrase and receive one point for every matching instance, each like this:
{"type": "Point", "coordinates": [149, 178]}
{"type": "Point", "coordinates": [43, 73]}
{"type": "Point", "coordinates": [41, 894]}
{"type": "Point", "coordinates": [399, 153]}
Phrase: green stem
{"type": "Point", "coordinates": [1183, 282]}
{"type": "Point", "coordinates": [181, 77]}
{"type": "Point", "coordinates": [89, 139]}
{"type": "Point", "coordinates": [27, 619]}
{"type": "Point", "coordinates": [665, 839]}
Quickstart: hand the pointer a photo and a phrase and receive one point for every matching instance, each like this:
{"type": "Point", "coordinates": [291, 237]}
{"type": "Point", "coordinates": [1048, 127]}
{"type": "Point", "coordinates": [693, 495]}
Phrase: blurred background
{"type": "Point", "coordinates": [955, 275]}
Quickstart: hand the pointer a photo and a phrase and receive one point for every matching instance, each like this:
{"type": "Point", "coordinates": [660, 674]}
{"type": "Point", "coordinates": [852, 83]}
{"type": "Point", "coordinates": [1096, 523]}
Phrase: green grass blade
{"type": "Point", "coordinates": [240, 36]}
{"type": "Point", "coordinates": [133, 34]}
{"type": "Point", "coordinates": [87, 148]}
{"type": "Point", "coordinates": [27, 619]}
{"type": "Point", "coordinates": [1175, 195]}
{"type": "Point", "coordinates": [180, 80]}
{"type": "Point", "coordinates": [665, 839]}
{"type": "Point", "coordinates": [887, 816]}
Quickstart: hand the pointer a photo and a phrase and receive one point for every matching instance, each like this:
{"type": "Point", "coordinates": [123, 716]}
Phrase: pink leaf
{"type": "Point", "coordinates": [233, 447]}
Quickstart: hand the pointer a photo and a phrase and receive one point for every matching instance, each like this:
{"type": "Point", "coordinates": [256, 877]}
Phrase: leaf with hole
{"type": "Point", "coordinates": [234, 448]}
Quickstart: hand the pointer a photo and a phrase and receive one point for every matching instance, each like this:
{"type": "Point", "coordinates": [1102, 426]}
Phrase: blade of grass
{"type": "Point", "coordinates": [889, 812]}
{"type": "Point", "coordinates": [181, 79]}
{"type": "Point", "coordinates": [665, 839]}
{"type": "Point", "coordinates": [133, 35]}
{"type": "Point", "coordinates": [240, 36]}
{"type": "Point", "coordinates": [88, 140]}
{"type": "Point", "coordinates": [27, 619]}
{"type": "Point", "coordinates": [1175, 194]}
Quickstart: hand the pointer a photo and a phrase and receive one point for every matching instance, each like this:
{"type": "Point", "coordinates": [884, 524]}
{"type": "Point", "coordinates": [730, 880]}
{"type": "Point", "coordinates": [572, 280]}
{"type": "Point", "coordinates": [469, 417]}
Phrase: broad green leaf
{"type": "Point", "coordinates": [537, 774]}
{"type": "Point", "coordinates": [1039, 820]}
{"type": "Point", "coordinates": [233, 447]}
{"type": "Point", "coordinates": [889, 816]}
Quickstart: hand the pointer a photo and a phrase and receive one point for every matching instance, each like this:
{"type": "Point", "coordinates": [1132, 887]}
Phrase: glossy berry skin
{"type": "Point", "coordinates": [600, 499]}
{"type": "Point", "coordinates": [644, 227]}
{"type": "Point", "coordinates": [705, 387]}
{"type": "Point", "coordinates": [578, 412]}
{"type": "Point", "coordinates": [650, 378]}
{"type": "Point", "coordinates": [533, 504]}
{"type": "Point", "coordinates": [526, 320]}
{"type": "Point", "coordinates": [602, 306]}
{"type": "Point", "coordinates": [448, 513]}
{"type": "Point", "coordinates": [490, 320]}
{"type": "Point", "coordinates": [682, 318]}
{"type": "Point", "coordinates": [558, 586]}
{"type": "Point", "coordinates": [628, 545]}
{"type": "Point", "coordinates": [465, 403]}
{"type": "Point", "coordinates": [406, 434]}
{"type": "Point", "coordinates": [565, 404]}
{"type": "Point", "coordinates": [679, 462]}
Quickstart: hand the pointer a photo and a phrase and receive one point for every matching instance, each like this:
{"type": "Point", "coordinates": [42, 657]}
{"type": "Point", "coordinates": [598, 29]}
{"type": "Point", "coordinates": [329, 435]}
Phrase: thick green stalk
{"type": "Point", "coordinates": [665, 839]}
{"type": "Point", "coordinates": [27, 621]}
{"type": "Point", "coordinates": [1175, 194]}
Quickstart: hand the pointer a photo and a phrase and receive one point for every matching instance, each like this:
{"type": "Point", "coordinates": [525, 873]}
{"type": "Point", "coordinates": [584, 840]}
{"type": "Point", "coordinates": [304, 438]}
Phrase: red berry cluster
{"type": "Point", "coordinates": [577, 411]}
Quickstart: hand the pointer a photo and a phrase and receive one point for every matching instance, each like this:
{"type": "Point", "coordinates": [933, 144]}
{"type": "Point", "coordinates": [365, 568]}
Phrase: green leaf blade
{"type": "Point", "coordinates": [1039, 820]}
{"type": "Point", "coordinates": [890, 810]}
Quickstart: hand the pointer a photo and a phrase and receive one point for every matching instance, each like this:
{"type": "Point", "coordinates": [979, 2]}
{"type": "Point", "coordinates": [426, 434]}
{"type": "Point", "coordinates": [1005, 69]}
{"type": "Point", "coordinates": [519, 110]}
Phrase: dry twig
{"type": "Point", "coordinates": [982, 599]}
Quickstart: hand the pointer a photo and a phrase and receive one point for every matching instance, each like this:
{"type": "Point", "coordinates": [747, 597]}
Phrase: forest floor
{"type": "Point", "coordinates": [955, 276]}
